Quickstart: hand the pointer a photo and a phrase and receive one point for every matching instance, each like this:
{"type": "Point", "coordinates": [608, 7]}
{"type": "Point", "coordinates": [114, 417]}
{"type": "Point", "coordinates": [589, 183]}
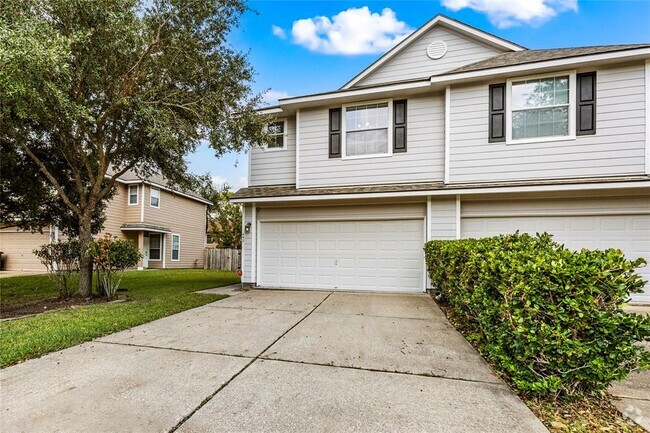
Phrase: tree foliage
{"type": "Point", "coordinates": [224, 216]}
{"type": "Point", "coordinates": [61, 259]}
{"type": "Point", "coordinates": [92, 88]}
{"type": "Point", "coordinates": [112, 256]}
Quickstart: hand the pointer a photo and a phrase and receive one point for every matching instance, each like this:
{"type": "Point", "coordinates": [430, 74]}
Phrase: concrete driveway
{"type": "Point", "coordinates": [270, 360]}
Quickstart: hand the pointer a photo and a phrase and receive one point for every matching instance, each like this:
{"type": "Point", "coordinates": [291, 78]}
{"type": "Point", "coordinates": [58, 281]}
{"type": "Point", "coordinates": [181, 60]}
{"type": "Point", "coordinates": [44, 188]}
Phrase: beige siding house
{"type": "Point", "coordinates": [454, 133]}
{"type": "Point", "coordinates": [168, 226]}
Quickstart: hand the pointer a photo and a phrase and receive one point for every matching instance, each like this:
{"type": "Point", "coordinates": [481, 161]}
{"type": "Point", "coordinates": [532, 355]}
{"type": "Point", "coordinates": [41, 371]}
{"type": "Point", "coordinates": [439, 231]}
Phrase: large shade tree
{"type": "Point", "coordinates": [92, 88]}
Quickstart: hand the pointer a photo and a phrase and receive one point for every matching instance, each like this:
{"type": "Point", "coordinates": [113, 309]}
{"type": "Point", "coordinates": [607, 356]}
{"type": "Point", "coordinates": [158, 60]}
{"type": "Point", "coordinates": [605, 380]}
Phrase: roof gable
{"type": "Point", "coordinates": [409, 60]}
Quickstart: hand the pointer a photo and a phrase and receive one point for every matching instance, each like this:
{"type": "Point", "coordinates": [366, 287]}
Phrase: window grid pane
{"type": "Point", "coordinates": [276, 129]}
{"type": "Point", "coordinates": [366, 129]}
{"type": "Point", "coordinates": [176, 247]}
{"type": "Point", "coordinates": [540, 108]}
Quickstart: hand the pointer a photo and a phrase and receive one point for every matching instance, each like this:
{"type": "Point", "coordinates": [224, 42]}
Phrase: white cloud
{"type": "Point", "coordinates": [508, 13]}
{"type": "Point", "coordinates": [279, 32]}
{"type": "Point", "coordinates": [271, 96]}
{"type": "Point", "coordinates": [350, 32]}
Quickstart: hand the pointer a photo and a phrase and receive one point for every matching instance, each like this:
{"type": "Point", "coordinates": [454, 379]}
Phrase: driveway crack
{"type": "Point", "coordinates": [258, 356]}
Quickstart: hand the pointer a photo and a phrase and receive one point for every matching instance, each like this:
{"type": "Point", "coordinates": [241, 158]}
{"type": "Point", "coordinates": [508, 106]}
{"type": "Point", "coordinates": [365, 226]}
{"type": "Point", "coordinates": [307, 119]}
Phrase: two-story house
{"type": "Point", "coordinates": [168, 225]}
{"type": "Point", "coordinates": [453, 133]}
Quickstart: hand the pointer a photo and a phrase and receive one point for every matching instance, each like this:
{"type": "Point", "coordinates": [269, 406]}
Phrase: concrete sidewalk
{"type": "Point", "coordinates": [270, 360]}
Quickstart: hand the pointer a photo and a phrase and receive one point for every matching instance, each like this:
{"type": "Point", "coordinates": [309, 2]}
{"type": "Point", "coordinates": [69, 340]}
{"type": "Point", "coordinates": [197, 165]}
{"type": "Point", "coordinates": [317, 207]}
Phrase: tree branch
{"type": "Point", "coordinates": [52, 180]}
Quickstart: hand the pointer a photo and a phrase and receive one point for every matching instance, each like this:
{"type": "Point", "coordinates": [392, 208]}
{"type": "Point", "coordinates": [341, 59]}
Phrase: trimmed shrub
{"type": "Point", "coordinates": [112, 256]}
{"type": "Point", "coordinates": [61, 259]}
{"type": "Point", "coordinates": [548, 318]}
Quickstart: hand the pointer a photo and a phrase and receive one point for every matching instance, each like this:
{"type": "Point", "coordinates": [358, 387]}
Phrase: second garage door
{"type": "Point", "coordinates": [382, 255]}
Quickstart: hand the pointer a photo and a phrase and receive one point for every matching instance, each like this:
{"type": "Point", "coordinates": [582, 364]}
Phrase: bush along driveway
{"type": "Point", "coordinates": [151, 295]}
{"type": "Point", "coordinates": [550, 320]}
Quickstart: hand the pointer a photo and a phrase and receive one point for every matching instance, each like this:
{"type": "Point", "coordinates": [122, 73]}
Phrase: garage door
{"type": "Point", "coordinates": [345, 255]}
{"type": "Point", "coordinates": [629, 233]}
{"type": "Point", "coordinates": [18, 249]}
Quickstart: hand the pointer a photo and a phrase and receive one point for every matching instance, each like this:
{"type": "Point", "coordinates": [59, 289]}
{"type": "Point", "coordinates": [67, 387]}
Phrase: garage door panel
{"type": "Point", "coordinates": [629, 233]}
{"type": "Point", "coordinates": [355, 255]}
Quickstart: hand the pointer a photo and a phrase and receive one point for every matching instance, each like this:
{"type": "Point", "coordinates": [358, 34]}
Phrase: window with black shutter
{"type": "Point", "coordinates": [497, 117]}
{"type": "Point", "coordinates": [335, 133]}
{"type": "Point", "coordinates": [586, 104]}
{"type": "Point", "coordinates": [399, 126]}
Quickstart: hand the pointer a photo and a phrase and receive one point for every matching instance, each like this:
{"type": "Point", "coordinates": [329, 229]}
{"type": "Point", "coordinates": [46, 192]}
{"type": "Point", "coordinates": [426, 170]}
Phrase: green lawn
{"type": "Point", "coordinates": [153, 294]}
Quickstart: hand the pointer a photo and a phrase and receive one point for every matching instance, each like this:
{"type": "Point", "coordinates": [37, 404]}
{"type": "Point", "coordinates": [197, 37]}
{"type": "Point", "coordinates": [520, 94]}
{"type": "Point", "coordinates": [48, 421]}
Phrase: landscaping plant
{"type": "Point", "coordinates": [548, 318]}
{"type": "Point", "coordinates": [61, 259]}
{"type": "Point", "coordinates": [112, 256]}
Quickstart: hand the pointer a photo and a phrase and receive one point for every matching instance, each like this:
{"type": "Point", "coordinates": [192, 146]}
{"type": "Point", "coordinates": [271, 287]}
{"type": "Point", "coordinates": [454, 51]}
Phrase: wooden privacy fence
{"type": "Point", "coordinates": [223, 259]}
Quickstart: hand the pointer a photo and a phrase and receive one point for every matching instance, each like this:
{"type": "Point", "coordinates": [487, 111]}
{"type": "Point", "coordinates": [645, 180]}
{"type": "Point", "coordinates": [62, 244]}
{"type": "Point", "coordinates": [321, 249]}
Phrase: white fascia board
{"type": "Point", "coordinates": [647, 116]}
{"type": "Point", "coordinates": [354, 94]}
{"type": "Point", "coordinates": [270, 110]}
{"type": "Point", "coordinates": [536, 67]}
{"type": "Point", "coordinates": [453, 192]}
{"type": "Point", "coordinates": [456, 25]}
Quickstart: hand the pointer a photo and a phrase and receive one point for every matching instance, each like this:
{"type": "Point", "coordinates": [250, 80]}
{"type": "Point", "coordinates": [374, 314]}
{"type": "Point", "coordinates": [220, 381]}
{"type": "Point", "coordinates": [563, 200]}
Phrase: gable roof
{"type": "Point", "coordinates": [439, 19]}
{"type": "Point", "coordinates": [533, 56]}
{"type": "Point", "coordinates": [160, 181]}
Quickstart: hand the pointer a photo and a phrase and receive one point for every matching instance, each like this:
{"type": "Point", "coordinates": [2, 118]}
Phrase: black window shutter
{"type": "Point", "coordinates": [497, 113]}
{"type": "Point", "coordinates": [399, 126]}
{"type": "Point", "coordinates": [586, 99]}
{"type": "Point", "coordinates": [335, 133]}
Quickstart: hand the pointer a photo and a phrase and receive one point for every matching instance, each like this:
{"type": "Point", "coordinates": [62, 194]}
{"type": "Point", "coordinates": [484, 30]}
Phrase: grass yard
{"type": "Point", "coordinates": [152, 295]}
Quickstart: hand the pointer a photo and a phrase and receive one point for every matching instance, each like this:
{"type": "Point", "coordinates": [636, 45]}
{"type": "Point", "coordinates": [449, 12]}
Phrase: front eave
{"type": "Point", "coordinates": [289, 193]}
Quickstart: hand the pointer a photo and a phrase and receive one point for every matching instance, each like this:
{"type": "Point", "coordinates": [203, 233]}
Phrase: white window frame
{"type": "Point", "coordinates": [284, 138]}
{"type": "Point", "coordinates": [151, 190]}
{"type": "Point", "coordinates": [344, 132]}
{"type": "Point", "coordinates": [160, 247]}
{"type": "Point", "coordinates": [172, 248]}
{"type": "Point", "coordinates": [572, 109]}
{"type": "Point", "coordinates": [128, 195]}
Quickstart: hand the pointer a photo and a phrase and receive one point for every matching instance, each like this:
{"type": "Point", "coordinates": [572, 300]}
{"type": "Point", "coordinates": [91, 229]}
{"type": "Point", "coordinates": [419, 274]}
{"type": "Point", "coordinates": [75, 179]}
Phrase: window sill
{"type": "Point", "coordinates": [541, 140]}
{"type": "Point", "coordinates": [374, 155]}
{"type": "Point", "coordinates": [132, 204]}
{"type": "Point", "coordinates": [273, 149]}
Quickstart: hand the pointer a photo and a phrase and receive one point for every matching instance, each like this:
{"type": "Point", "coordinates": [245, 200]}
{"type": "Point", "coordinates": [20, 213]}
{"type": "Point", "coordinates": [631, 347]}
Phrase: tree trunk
{"type": "Point", "coordinates": [85, 261]}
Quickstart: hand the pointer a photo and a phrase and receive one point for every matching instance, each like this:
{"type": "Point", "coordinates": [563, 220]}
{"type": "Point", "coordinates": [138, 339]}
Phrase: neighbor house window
{"type": "Point", "coordinates": [541, 108]}
{"type": "Point", "coordinates": [154, 199]}
{"type": "Point", "coordinates": [277, 130]}
{"type": "Point", "coordinates": [154, 246]}
{"type": "Point", "coordinates": [133, 194]}
{"type": "Point", "coordinates": [367, 130]}
{"type": "Point", "coordinates": [176, 247]}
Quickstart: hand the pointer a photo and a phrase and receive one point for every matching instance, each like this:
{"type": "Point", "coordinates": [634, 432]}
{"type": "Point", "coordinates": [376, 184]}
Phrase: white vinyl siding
{"type": "Point", "coordinates": [443, 218]}
{"type": "Point", "coordinates": [413, 62]}
{"type": "Point", "coordinates": [617, 148]}
{"type": "Point", "coordinates": [247, 246]}
{"type": "Point", "coordinates": [275, 166]}
{"type": "Point", "coordinates": [423, 161]}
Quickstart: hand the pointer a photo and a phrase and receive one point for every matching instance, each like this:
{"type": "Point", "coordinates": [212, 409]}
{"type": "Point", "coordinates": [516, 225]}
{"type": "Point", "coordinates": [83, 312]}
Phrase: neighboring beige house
{"type": "Point", "coordinates": [169, 227]}
{"type": "Point", "coordinates": [453, 133]}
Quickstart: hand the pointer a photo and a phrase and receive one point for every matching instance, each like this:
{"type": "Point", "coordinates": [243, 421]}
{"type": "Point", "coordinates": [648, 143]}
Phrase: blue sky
{"type": "Point", "coordinates": [296, 53]}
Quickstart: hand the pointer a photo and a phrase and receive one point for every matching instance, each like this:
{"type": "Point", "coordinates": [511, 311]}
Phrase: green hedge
{"type": "Point", "coordinates": [549, 319]}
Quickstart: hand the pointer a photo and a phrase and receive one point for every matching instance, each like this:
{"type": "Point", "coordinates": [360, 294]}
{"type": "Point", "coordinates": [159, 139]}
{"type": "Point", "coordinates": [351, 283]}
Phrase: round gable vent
{"type": "Point", "coordinates": [436, 50]}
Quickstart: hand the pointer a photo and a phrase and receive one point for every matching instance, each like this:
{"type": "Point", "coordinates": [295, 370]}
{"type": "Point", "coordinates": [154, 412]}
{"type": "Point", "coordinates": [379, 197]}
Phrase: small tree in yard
{"type": "Point", "coordinates": [61, 260]}
{"type": "Point", "coordinates": [112, 256]}
{"type": "Point", "coordinates": [90, 89]}
{"type": "Point", "coordinates": [224, 216]}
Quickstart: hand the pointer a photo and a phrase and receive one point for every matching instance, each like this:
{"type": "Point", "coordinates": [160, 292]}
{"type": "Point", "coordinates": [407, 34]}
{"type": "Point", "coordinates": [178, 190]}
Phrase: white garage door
{"type": "Point", "coordinates": [346, 255]}
{"type": "Point", "coordinates": [629, 233]}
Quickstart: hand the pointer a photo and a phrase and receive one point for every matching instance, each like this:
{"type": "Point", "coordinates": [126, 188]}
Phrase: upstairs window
{"type": "Point", "coordinates": [154, 198]}
{"type": "Point", "coordinates": [133, 195]}
{"type": "Point", "coordinates": [541, 108]}
{"type": "Point", "coordinates": [367, 130]}
{"type": "Point", "coordinates": [277, 130]}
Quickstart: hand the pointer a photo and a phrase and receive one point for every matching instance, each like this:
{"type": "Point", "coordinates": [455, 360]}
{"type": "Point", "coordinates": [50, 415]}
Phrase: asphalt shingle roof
{"type": "Point", "coordinates": [533, 56]}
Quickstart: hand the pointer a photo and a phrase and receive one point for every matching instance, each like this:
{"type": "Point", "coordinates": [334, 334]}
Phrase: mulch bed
{"type": "Point", "coordinates": [46, 305]}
